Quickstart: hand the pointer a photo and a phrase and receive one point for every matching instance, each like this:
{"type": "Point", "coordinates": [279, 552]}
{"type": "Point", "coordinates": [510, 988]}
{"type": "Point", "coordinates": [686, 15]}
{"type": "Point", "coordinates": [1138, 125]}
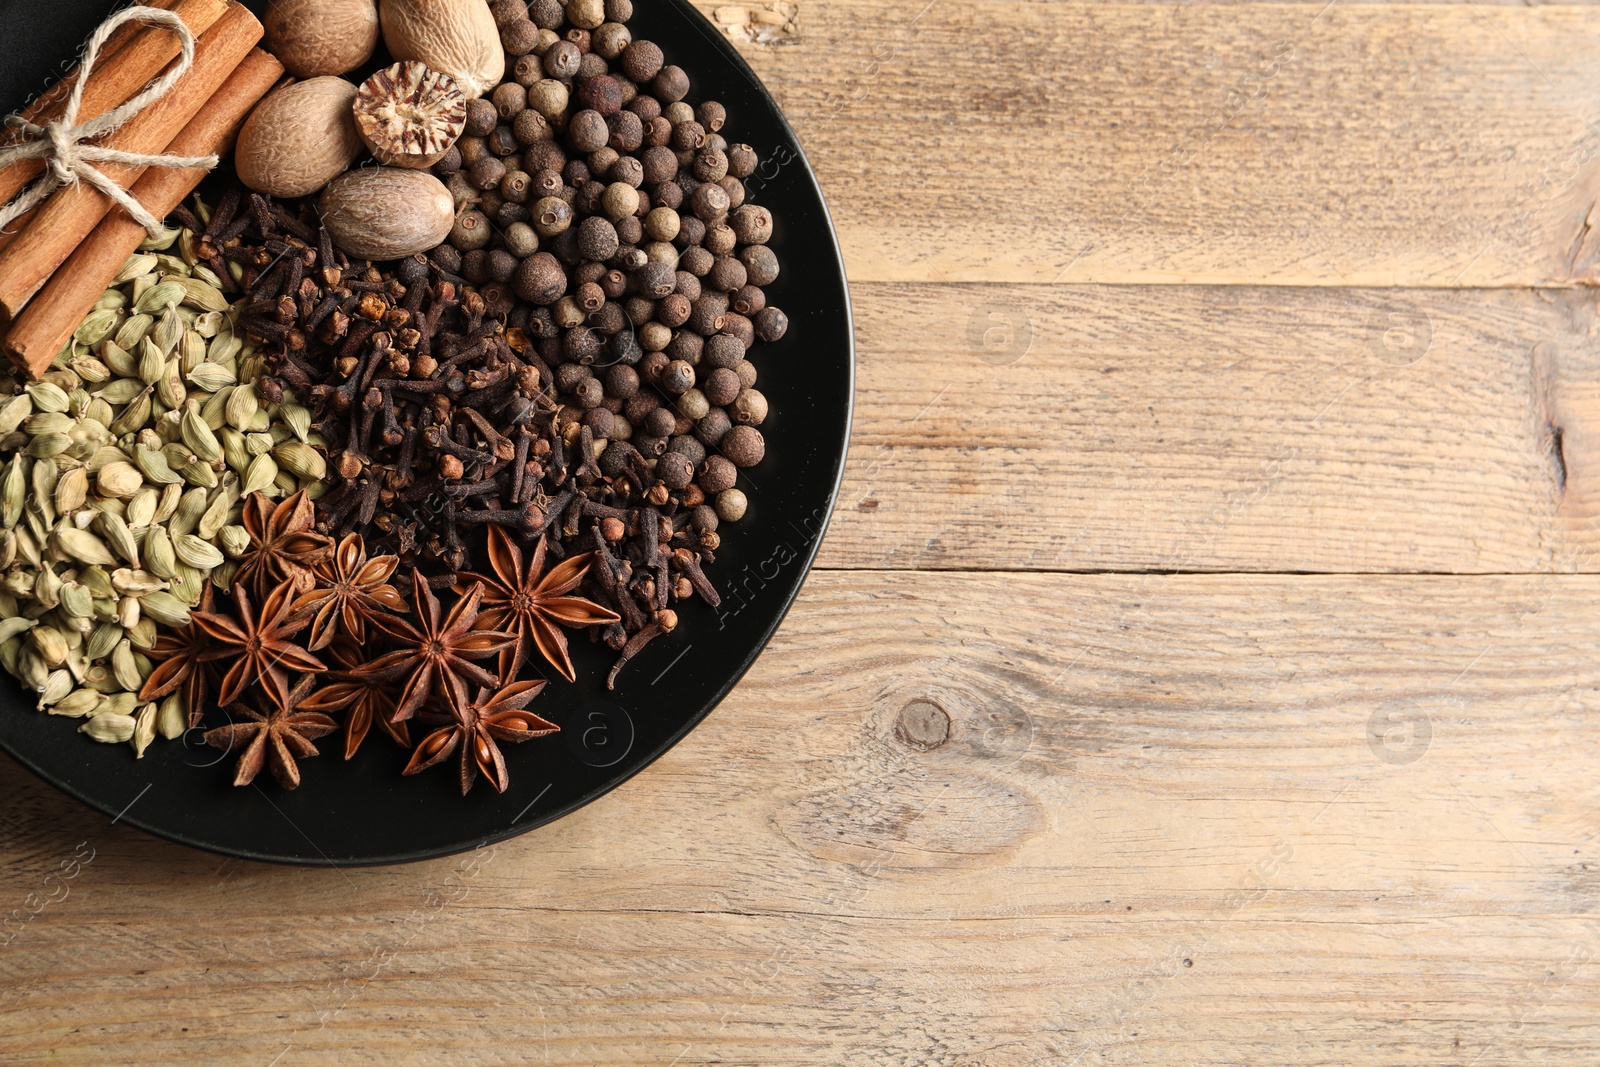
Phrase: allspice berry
{"type": "Point", "coordinates": [717, 473]}
{"type": "Point", "coordinates": [750, 408]}
{"type": "Point", "coordinates": [471, 230]}
{"type": "Point", "coordinates": [642, 60]}
{"type": "Point", "coordinates": [550, 216]}
{"type": "Point", "coordinates": [674, 469]}
{"type": "Point", "coordinates": [721, 386]}
{"type": "Point", "coordinates": [597, 239]}
{"type": "Point", "coordinates": [771, 324]}
{"type": "Point", "coordinates": [743, 445]}
{"type": "Point", "coordinates": [540, 279]}
{"type": "Point", "coordinates": [731, 505]}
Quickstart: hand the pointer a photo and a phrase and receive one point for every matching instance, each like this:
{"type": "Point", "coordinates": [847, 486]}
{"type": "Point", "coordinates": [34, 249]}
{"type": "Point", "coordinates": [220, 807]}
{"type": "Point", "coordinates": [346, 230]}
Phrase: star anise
{"type": "Point", "coordinates": [478, 724]}
{"type": "Point", "coordinates": [180, 662]}
{"type": "Point", "coordinates": [283, 545]}
{"type": "Point", "coordinates": [274, 736]}
{"type": "Point", "coordinates": [259, 645]}
{"type": "Point", "coordinates": [523, 601]}
{"type": "Point", "coordinates": [366, 699]}
{"type": "Point", "coordinates": [433, 652]}
{"type": "Point", "coordinates": [349, 588]}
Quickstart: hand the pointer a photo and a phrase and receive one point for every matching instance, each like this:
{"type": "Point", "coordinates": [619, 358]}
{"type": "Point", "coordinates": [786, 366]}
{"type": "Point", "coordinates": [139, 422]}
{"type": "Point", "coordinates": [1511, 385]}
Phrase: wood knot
{"type": "Point", "coordinates": [923, 725]}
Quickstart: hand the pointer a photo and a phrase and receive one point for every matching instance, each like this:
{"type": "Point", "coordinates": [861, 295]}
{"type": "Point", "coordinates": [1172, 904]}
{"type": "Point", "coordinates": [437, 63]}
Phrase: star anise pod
{"type": "Point", "coordinates": [365, 698]}
{"type": "Point", "coordinates": [180, 662]}
{"type": "Point", "coordinates": [259, 645]}
{"type": "Point", "coordinates": [274, 736]}
{"type": "Point", "coordinates": [532, 605]}
{"type": "Point", "coordinates": [433, 652]}
{"type": "Point", "coordinates": [283, 545]}
{"type": "Point", "coordinates": [478, 723]}
{"type": "Point", "coordinates": [349, 588]}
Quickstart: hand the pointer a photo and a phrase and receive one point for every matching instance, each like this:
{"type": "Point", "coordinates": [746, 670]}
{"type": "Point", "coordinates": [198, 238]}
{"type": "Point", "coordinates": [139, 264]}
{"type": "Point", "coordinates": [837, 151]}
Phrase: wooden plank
{"type": "Point", "coordinates": [1208, 819]}
{"type": "Point", "coordinates": [1301, 144]}
{"type": "Point", "coordinates": [1192, 428]}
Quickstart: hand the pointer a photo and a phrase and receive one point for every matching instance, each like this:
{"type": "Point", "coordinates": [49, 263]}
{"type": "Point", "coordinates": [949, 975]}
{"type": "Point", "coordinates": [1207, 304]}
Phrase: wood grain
{"type": "Point", "coordinates": [1365, 833]}
{"type": "Point", "coordinates": [1196, 428]}
{"type": "Point", "coordinates": [1365, 145]}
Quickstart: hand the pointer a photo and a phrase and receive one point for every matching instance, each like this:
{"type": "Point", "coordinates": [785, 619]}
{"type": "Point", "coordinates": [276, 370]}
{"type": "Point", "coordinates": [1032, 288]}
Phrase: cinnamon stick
{"type": "Point", "coordinates": [45, 326]}
{"type": "Point", "coordinates": [115, 79]}
{"type": "Point", "coordinates": [71, 212]}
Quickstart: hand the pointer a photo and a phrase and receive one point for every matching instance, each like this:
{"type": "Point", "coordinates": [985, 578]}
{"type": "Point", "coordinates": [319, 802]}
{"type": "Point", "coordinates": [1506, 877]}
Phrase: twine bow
{"type": "Point", "coordinates": [60, 143]}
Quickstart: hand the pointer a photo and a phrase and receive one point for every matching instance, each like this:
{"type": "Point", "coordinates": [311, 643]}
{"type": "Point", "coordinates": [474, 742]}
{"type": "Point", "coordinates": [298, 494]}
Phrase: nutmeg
{"type": "Point", "coordinates": [458, 37]}
{"type": "Point", "coordinates": [318, 37]}
{"type": "Point", "coordinates": [299, 138]}
{"type": "Point", "coordinates": [387, 212]}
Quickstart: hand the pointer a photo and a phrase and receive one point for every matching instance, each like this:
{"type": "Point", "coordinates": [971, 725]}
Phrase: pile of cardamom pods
{"type": "Point", "coordinates": [124, 471]}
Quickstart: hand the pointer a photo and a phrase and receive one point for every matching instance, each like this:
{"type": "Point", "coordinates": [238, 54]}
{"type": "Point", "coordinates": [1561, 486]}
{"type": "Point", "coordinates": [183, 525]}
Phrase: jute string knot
{"type": "Point", "coordinates": [61, 143]}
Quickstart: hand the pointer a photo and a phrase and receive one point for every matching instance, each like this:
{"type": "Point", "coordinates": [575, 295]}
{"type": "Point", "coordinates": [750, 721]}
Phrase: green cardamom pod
{"type": "Point", "coordinates": [142, 507]}
{"type": "Point", "coordinates": [14, 491]}
{"type": "Point", "coordinates": [214, 409]}
{"type": "Point", "coordinates": [130, 581]}
{"type": "Point", "coordinates": [108, 727]}
{"type": "Point", "coordinates": [154, 465]}
{"type": "Point", "coordinates": [169, 503]}
{"type": "Point", "coordinates": [143, 633]}
{"type": "Point", "coordinates": [48, 422]}
{"type": "Point", "coordinates": [197, 552]}
{"type": "Point", "coordinates": [204, 296]}
{"type": "Point", "coordinates": [15, 627]}
{"type": "Point", "coordinates": [209, 377]}
{"type": "Point", "coordinates": [51, 645]}
{"type": "Point", "coordinates": [77, 704]}
{"type": "Point", "coordinates": [46, 475]}
{"type": "Point", "coordinates": [234, 449]}
{"type": "Point", "coordinates": [168, 332]}
{"type": "Point", "coordinates": [209, 324]}
{"type": "Point", "coordinates": [136, 266]}
{"type": "Point", "coordinates": [48, 396]}
{"type": "Point", "coordinates": [97, 581]}
{"type": "Point", "coordinates": [166, 609]}
{"type": "Point", "coordinates": [31, 670]}
{"type": "Point", "coordinates": [95, 327]}
{"type": "Point", "coordinates": [226, 345]}
{"type": "Point", "coordinates": [235, 540]}
{"type": "Point", "coordinates": [200, 474]}
{"type": "Point", "coordinates": [261, 473]}
{"type": "Point", "coordinates": [152, 361]}
{"type": "Point", "coordinates": [135, 415]}
{"type": "Point", "coordinates": [119, 360]}
{"type": "Point", "coordinates": [119, 480]}
{"type": "Point", "coordinates": [83, 546]}
{"type": "Point", "coordinates": [198, 436]}
{"type": "Point", "coordinates": [103, 639]}
{"type": "Point", "coordinates": [190, 509]}
{"type": "Point", "coordinates": [222, 577]}
{"type": "Point", "coordinates": [46, 445]}
{"type": "Point", "coordinates": [117, 702]}
{"type": "Point", "coordinates": [13, 411]}
{"type": "Point", "coordinates": [128, 612]}
{"type": "Point", "coordinates": [129, 336]}
{"type": "Point", "coordinates": [301, 460]}
{"type": "Point", "coordinates": [10, 652]}
{"type": "Point", "coordinates": [56, 687]}
{"type": "Point", "coordinates": [144, 729]}
{"type": "Point", "coordinates": [115, 530]}
{"type": "Point", "coordinates": [171, 722]}
{"type": "Point", "coordinates": [123, 668]}
{"type": "Point", "coordinates": [77, 601]}
{"type": "Point", "coordinates": [170, 388]}
{"type": "Point", "coordinates": [72, 490]}
{"type": "Point", "coordinates": [121, 391]}
{"type": "Point", "coordinates": [160, 296]}
{"type": "Point", "coordinates": [241, 407]}
{"type": "Point", "coordinates": [89, 369]}
{"type": "Point", "coordinates": [258, 444]}
{"type": "Point", "coordinates": [47, 588]}
{"type": "Point", "coordinates": [216, 516]}
{"type": "Point", "coordinates": [297, 419]}
{"type": "Point", "coordinates": [189, 585]}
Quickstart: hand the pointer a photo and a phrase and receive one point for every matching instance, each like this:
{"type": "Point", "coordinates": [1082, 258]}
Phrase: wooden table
{"type": "Point", "coordinates": [1202, 666]}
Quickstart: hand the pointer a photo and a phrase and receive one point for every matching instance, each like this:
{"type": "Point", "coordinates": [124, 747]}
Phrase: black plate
{"type": "Point", "coordinates": [363, 812]}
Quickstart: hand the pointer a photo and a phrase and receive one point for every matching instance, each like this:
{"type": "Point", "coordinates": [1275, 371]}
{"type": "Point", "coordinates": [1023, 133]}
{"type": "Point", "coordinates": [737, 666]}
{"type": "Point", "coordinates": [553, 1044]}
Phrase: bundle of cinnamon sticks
{"type": "Point", "coordinates": [56, 261]}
